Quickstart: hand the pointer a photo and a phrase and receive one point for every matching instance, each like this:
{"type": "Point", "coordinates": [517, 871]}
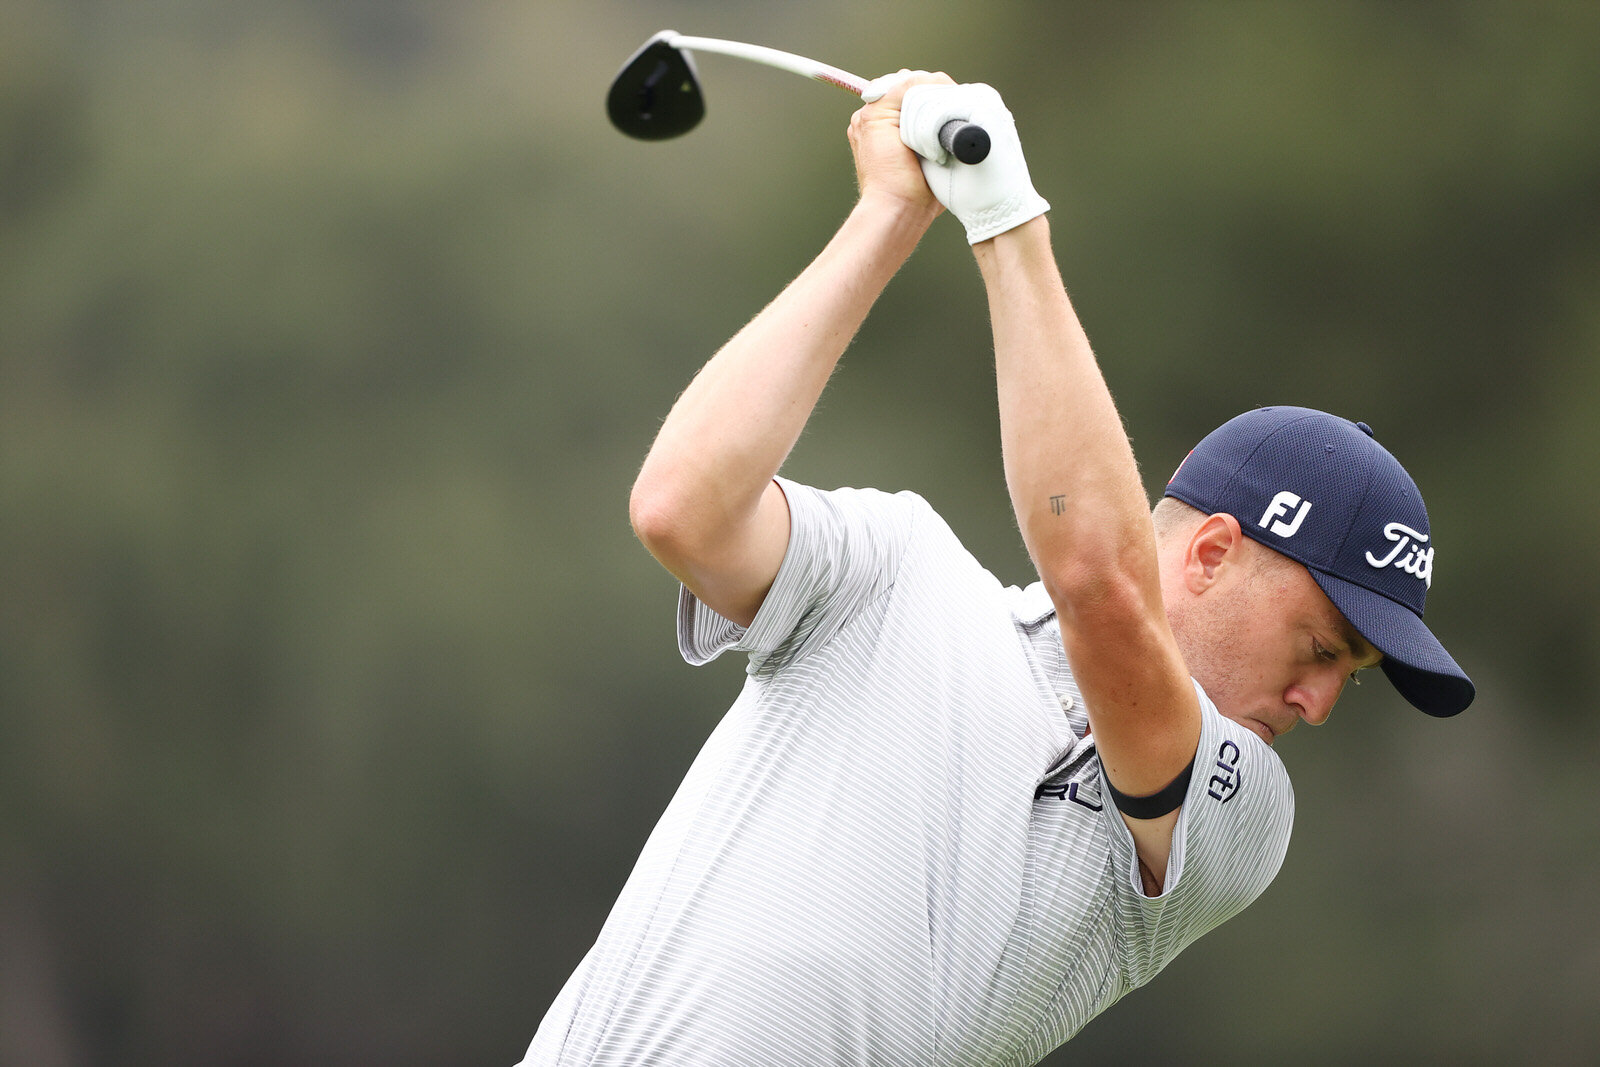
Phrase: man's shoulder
{"type": "Point", "coordinates": [905, 502]}
{"type": "Point", "coordinates": [902, 515]}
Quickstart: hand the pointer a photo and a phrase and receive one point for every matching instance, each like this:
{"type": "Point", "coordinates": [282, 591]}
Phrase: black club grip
{"type": "Point", "coordinates": [967, 141]}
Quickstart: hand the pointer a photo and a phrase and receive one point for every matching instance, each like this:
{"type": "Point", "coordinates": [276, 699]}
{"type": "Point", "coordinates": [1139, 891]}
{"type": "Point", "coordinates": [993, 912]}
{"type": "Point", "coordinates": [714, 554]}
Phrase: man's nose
{"type": "Point", "coordinates": [1314, 698]}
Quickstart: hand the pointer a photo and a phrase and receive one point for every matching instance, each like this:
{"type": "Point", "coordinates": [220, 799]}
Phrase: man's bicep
{"type": "Point", "coordinates": [1142, 705]}
{"type": "Point", "coordinates": [1145, 718]}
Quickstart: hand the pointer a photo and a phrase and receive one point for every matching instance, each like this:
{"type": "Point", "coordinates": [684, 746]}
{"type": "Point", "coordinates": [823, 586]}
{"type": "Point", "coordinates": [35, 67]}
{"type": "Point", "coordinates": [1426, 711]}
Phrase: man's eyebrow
{"type": "Point", "coordinates": [1359, 646]}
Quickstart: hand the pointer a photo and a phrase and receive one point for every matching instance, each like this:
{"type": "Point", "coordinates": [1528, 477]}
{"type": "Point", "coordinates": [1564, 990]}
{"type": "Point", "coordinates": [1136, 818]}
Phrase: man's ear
{"type": "Point", "coordinates": [1217, 544]}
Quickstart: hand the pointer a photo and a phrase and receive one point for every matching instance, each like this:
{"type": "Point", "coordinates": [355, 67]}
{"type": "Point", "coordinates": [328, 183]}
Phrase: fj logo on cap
{"type": "Point", "coordinates": [1418, 561]}
{"type": "Point", "coordinates": [1281, 506]}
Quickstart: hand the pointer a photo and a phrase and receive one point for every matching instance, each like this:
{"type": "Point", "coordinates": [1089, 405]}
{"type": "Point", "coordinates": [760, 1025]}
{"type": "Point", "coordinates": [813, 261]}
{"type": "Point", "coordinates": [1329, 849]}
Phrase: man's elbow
{"type": "Point", "coordinates": [1107, 594]}
{"type": "Point", "coordinates": [659, 516]}
{"type": "Point", "coordinates": [682, 524]}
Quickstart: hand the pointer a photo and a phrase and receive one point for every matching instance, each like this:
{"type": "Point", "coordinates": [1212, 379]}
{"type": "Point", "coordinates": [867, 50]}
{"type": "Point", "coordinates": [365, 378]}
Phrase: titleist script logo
{"type": "Point", "coordinates": [1274, 520]}
{"type": "Point", "coordinates": [1417, 561]}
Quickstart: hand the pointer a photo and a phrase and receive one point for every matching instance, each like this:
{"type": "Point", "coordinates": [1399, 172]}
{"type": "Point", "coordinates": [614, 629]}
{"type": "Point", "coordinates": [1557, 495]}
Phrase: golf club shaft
{"type": "Point", "coordinates": [966, 141]}
{"type": "Point", "coordinates": [772, 57]}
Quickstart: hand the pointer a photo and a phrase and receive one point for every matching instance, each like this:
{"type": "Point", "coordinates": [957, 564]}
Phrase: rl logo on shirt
{"type": "Point", "coordinates": [1069, 791]}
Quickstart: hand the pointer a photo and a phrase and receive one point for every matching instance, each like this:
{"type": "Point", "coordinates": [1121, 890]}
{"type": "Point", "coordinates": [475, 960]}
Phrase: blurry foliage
{"type": "Point", "coordinates": [335, 697]}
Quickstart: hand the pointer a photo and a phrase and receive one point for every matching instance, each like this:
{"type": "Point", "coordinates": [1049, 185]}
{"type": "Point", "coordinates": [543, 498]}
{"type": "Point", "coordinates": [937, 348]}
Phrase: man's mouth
{"type": "Point", "coordinates": [1265, 732]}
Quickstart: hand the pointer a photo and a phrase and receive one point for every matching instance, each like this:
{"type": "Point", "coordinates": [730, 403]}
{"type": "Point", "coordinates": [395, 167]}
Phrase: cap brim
{"type": "Point", "coordinates": [1416, 663]}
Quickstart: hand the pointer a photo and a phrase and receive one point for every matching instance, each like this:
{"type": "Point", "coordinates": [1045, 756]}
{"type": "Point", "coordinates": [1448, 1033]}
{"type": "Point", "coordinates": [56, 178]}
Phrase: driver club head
{"type": "Point", "coordinates": [656, 95]}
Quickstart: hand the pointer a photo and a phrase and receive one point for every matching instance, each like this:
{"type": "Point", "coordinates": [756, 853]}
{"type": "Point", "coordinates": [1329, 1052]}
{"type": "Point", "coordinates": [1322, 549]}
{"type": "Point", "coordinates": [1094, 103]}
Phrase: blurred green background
{"type": "Point", "coordinates": [336, 698]}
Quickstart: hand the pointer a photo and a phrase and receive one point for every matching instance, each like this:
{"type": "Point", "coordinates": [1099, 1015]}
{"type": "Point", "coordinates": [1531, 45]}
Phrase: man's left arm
{"type": "Point", "coordinates": [1075, 488]}
{"type": "Point", "coordinates": [1070, 471]}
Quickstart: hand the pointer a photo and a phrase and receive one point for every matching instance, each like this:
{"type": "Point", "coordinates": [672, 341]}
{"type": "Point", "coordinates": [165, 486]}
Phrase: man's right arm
{"type": "Point", "coordinates": [705, 503]}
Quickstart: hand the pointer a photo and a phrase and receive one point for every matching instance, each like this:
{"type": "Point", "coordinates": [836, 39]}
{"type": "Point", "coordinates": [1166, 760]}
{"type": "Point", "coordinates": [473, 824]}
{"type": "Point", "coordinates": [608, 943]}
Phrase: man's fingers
{"type": "Point", "coordinates": [883, 163]}
{"type": "Point", "coordinates": [885, 87]}
{"type": "Point", "coordinates": [879, 87]}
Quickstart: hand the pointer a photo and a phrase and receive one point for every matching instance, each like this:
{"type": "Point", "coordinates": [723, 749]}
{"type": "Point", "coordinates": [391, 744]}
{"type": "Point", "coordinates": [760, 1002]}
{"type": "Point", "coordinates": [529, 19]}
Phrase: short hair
{"type": "Point", "coordinates": [1172, 516]}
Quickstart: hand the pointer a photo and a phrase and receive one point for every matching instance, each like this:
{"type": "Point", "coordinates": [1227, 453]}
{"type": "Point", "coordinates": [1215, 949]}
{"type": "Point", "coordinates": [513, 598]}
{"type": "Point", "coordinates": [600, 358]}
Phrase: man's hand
{"type": "Point", "coordinates": [990, 197]}
{"type": "Point", "coordinates": [884, 165]}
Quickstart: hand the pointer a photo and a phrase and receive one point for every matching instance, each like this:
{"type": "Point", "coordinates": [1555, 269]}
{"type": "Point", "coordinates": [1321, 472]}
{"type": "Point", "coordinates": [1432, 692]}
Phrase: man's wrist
{"type": "Point", "coordinates": [899, 210]}
{"type": "Point", "coordinates": [1017, 246]}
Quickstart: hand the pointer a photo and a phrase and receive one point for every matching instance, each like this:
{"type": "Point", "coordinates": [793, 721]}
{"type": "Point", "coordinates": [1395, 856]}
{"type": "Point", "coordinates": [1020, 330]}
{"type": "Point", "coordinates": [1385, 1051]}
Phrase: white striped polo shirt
{"type": "Point", "coordinates": [896, 847]}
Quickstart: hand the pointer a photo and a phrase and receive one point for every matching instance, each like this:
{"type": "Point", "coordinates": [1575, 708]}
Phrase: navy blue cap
{"type": "Point", "coordinates": [1322, 491]}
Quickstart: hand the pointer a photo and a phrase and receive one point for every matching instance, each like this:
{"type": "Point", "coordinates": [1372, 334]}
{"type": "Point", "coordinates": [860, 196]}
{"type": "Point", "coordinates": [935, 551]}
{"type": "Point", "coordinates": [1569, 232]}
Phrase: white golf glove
{"type": "Point", "coordinates": [989, 197]}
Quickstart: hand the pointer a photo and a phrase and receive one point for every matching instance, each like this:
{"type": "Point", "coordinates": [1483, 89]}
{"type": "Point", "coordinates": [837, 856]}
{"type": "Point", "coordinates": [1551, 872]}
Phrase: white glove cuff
{"type": "Point", "coordinates": [1004, 216]}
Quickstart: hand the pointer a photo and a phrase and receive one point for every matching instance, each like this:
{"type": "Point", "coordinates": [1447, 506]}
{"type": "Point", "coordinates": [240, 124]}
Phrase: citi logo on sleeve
{"type": "Point", "coordinates": [1281, 505]}
{"type": "Point", "coordinates": [1418, 561]}
{"type": "Point", "coordinates": [1226, 778]}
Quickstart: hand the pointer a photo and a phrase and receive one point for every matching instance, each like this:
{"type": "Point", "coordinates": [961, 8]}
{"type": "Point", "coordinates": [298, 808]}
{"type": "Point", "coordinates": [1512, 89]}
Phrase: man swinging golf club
{"type": "Point", "coordinates": [947, 821]}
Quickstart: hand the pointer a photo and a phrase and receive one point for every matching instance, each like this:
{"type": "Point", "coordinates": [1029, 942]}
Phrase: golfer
{"type": "Point", "coordinates": [947, 821]}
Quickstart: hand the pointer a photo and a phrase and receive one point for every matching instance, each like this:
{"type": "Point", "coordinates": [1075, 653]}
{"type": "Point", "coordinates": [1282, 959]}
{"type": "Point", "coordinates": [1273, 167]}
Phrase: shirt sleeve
{"type": "Point", "coordinates": [844, 549]}
{"type": "Point", "coordinates": [1228, 844]}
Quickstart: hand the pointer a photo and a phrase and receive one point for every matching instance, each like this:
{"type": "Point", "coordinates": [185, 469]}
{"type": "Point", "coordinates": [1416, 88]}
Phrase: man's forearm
{"type": "Point", "coordinates": [1069, 467]}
